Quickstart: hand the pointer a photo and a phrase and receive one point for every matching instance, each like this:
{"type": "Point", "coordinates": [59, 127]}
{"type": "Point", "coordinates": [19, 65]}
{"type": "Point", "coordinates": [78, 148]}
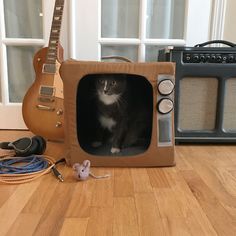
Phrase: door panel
{"type": "Point", "coordinates": [20, 71]}
{"type": "Point", "coordinates": [23, 18]}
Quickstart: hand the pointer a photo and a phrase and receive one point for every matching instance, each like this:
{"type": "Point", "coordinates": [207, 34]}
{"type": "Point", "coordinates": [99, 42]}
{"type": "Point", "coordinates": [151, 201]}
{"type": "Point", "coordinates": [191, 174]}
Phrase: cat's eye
{"type": "Point", "coordinates": [113, 82]}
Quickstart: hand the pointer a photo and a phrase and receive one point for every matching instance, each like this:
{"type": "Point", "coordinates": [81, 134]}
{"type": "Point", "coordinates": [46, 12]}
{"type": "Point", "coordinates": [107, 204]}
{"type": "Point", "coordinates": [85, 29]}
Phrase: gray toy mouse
{"type": "Point", "coordinates": [83, 171]}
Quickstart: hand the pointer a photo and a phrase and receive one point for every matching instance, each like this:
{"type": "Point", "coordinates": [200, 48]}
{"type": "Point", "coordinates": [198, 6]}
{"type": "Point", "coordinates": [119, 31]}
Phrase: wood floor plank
{"type": "Point", "coordinates": [123, 183]}
{"type": "Point", "coordinates": [100, 221]}
{"type": "Point", "coordinates": [53, 217]}
{"type": "Point", "coordinates": [222, 221]}
{"type": "Point", "coordinates": [10, 210]}
{"type": "Point", "coordinates": [125, 220]}
{"type": "Point", "coordinates": [81, 200]}
{"type": "Point", "coordinates": [192, 211]}
{"type": "Point", "coordinates": [42, 195]}
{"type": "Point", "coordinates": [149, 220]}
{"type": "Point", "coordinates": [176, 227]}
{"type": "Point", "coordinates": [25, 224]}
{"type": "Point", "coordinates": [74, 227]}
{"type": "Point", "coordinates": [141, 181]}
{"type": "Point", "coordinates": [5, 192]}
{"type": "Point", "coordinates": [158, 178]}
{"type": "Point", "coordinates": [167, 204]}
{"type": "Point", "coordinates": [103, 189]}
{"type": "Point", "coordinates": [213, 178]}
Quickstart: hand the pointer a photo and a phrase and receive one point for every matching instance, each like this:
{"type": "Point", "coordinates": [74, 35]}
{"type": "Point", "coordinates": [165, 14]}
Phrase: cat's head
{"type": "Point", "coordinates": [111, 84]}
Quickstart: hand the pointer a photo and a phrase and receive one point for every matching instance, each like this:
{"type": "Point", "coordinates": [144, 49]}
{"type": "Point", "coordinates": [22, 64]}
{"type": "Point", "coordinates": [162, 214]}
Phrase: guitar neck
{"type": "Point", "coordinates": [55, 32]}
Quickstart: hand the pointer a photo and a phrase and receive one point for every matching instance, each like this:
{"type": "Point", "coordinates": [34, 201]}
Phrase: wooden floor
{"type": "Point", "coordinates": [197, 197]}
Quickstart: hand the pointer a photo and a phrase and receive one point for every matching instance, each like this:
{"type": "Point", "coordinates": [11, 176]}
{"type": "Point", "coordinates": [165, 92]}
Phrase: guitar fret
{"type": "Point", "coordinates": [52, 58]}
{"type": "Point", "coordinates": [55, 32]}
{"type": "Point", "coordinates": [52, 50]}
{"type": "Point", "coordinates": [57, 25]}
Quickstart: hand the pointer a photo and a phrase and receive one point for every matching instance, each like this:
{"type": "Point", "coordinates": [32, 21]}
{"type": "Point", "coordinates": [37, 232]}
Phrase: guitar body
{"type": "Point", "coordinates": [42, 106]}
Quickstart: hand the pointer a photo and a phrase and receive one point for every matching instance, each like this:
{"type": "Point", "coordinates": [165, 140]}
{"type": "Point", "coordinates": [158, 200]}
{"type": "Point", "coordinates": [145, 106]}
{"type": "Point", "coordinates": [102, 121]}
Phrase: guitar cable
{"type": "Point", "coordinates": [18, 170]}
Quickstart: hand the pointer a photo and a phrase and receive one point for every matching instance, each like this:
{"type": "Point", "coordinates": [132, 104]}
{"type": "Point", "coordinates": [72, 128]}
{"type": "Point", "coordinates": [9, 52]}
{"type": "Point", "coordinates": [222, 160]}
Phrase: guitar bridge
{"type": "Point", "coordinates": [46, 94]}
{"type": "Point", "coordinates": [45, 108]}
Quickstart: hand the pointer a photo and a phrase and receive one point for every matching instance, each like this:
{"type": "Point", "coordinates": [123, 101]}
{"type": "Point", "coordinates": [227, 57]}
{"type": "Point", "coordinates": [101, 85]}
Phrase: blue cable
{"type": "Point", "coordinates": [23, 165]}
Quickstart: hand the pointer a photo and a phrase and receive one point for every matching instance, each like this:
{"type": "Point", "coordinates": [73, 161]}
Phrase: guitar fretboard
{"type": "Point", "coordinates": [55, 32]}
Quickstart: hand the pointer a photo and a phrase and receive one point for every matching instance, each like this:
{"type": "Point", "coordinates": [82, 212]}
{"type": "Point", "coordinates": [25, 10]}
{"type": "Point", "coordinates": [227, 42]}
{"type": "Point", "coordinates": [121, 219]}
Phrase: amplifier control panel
{"type": "Point", "coordinates": [195, 57]}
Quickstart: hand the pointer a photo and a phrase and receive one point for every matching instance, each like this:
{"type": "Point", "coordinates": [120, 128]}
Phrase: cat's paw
{"type": "Point", "coordinates": [96, 144]}
{"type": "Point", "coordinates": [115, 150]}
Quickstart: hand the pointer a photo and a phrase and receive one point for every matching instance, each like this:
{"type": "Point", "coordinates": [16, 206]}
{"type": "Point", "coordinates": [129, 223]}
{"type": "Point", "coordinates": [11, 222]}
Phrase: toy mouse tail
{"type": "Point", "coordinates": [99, 176]}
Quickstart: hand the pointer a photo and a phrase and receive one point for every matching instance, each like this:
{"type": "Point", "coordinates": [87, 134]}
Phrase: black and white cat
{"type": "Point", "coordinates": [117, 112]}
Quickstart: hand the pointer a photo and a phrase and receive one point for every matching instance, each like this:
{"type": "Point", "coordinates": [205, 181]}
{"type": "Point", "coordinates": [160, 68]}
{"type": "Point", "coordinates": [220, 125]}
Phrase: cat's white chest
{"type": "Point", "coordinates": [107, 122]}
{"type": "Point", "coordinates": [108, 99]}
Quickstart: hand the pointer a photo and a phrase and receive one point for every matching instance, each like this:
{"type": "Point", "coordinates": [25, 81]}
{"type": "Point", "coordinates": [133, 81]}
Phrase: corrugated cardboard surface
{"type": "Point", "coordinates": [71, 73]}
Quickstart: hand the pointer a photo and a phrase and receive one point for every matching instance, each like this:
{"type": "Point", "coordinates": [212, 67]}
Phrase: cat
{"type": "Point", "coordinates": [120, 114]}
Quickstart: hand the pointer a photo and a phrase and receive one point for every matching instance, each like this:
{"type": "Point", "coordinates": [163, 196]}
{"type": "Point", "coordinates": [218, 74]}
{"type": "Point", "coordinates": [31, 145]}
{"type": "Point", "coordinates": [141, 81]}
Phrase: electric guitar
{"type": "Point", "coordinates": [42, 106]}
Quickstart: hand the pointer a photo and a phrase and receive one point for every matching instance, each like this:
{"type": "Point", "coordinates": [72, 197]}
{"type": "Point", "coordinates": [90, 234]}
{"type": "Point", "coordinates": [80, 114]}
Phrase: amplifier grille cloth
{"type": "Point", "coordinates": [197, 103]}
{"type": "Point", "coordinates": [229, 121]}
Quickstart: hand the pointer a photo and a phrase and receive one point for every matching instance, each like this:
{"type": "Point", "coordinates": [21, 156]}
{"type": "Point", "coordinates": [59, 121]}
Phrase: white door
{"type": "Point", "coordinates": [137, 29]}
{"type": "Point", "coordinates": [24, 29]}
{"type": "Point", "coordinates": [132, 28]}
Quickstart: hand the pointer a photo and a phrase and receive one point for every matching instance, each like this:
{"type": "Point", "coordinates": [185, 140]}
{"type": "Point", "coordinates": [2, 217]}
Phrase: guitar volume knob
{"type": "Point", "coordinates": [58, 124]}
{"type": "Point", "coordinates": [59, 112]}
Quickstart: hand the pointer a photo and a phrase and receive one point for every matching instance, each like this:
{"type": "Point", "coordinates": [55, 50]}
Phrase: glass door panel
{"type": "Point", "coordinates": [23, 18]}
{"type": "Point", "coordinates": [143, 24]}
{"type": "Point", "coordinates": [130, 51]}
{"type": "Point", "coordinates": [165, 19]}
{"type": "Point", "coordinates": [20, 71]}
{"type": "Point", "coordinates": [120, 18]}
{"type": "Point", "coordinates": [21, 35]}
{"type": "Point", "coordinates": [152, 52]}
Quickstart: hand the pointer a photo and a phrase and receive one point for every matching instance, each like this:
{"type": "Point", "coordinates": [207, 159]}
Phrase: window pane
{"type": "Point", "coordinates": [120, 18]}
{"type": "Point", "coordinates": [152, 52]}
{"type": "Point", "coordinates": [165, 19]}
{"type": "Point", "coordinates": [20, 71]}
{"type": "Point", "coordinates": [131, 52]}
{"type": "Point", "coordinates": [23, 18]}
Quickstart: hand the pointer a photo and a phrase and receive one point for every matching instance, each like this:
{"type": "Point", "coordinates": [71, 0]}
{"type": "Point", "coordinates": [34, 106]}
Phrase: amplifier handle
{"type": "Point", "coordinates": [216, 41]}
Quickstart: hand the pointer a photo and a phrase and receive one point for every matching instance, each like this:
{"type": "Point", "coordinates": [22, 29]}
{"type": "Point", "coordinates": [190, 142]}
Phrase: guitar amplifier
{"type": "Point", "coordinates": [205, 92]}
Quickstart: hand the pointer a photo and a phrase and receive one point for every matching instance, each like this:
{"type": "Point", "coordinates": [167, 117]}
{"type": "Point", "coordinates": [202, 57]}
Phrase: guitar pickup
{"type": "Point", "coordinates": [46, 94]}
{"type": "Point", "coordinates": [45, 108]}
{"type": "Point", "coordinates": [49, 68]}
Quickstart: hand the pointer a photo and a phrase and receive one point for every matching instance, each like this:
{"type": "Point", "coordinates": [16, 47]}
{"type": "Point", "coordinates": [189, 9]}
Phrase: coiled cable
{"type": "Point", "coordinates": [16, 170]}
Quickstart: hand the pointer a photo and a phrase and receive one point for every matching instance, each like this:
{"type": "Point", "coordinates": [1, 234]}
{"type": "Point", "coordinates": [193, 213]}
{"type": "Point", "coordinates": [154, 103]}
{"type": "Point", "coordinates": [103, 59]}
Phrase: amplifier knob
{"type": "Point", "coordinates": [165, 87]}
{"type": "Point", "coordinates": [224, 58]}
{"type": "Point", "coordinates": [231, 58]}
{"type": "Point", "coordinates": [187, 57]}
{"type": "Point", "coordinates": [202, 58]}
{"type": "Point", "coordinates": [219, 58]}
{"type": "Point", "coordinates": [165, 105]}
{"type": "Point", "coordinates": [213, 58]}
{"type": "Point", "coordinates": [195, 58]}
